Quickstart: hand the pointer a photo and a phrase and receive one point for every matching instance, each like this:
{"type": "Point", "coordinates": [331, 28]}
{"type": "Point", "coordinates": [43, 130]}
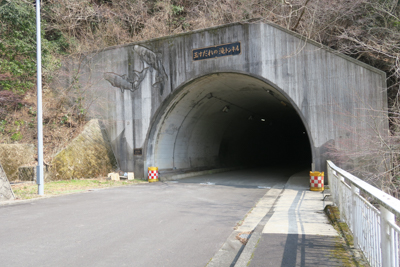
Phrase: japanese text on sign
{"type": "Point", "coordinates": [217, 51]}
{"type": "Point", "coordinates": [137, 152]}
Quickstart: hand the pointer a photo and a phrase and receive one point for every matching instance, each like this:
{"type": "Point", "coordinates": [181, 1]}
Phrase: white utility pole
{"type": "Point", "coordinates": [39, 168]}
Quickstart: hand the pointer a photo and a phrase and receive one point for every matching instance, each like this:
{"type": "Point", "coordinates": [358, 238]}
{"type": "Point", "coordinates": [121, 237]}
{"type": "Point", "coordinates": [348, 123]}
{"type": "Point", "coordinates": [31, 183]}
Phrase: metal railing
{"type": "Point", "coordinates": [374, 229]}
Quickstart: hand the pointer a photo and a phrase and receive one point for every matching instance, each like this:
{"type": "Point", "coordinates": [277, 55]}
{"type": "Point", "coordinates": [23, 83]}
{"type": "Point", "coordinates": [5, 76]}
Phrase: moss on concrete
{"type": "Point", "coordinates": [344, 248]}
{"type": "Point", "coordinates": [88, 155]}
{"type": "Point", "coordinates": [14, 155]}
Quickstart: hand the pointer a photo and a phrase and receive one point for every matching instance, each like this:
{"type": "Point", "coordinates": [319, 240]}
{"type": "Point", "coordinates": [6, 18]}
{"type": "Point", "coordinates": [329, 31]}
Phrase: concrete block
{"type": "Point", "coordinates": [113, 176]}
{"type": "Point", "coordinates": [131, 176]}
{"type": "Point", "coordinates": [6, 192]}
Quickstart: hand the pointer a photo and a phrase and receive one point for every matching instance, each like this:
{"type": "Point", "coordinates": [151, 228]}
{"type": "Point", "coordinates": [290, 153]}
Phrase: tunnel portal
{"type": "Point", "coordinates": [248, 93]}
{"type": "Point", "coordinates": [227, 120]}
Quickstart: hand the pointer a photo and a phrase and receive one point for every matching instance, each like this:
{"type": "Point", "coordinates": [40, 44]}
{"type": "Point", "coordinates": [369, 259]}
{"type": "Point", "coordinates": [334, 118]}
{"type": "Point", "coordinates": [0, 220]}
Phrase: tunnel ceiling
{"type": "Point", "coordinates": [218, 119]}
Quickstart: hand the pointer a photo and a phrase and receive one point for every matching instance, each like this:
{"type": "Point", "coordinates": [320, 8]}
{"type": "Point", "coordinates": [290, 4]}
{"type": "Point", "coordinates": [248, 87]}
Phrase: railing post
{"type": "Point", "coordinates": [354, 194]}
{"type": "Point", "coordinates": [341, 201]}
{"type": "Point", "coordinates": [335, 188]}
{"type": "Point", "coordinates": [386, 251]}
{"type": "Point", "coordinates": [329, 177]}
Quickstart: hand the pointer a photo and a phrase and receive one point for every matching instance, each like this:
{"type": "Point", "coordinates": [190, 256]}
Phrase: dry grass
{"type": "Point", "coordinates": [53, 188]}
{"type": "Point", "coordinates": [59, 127]}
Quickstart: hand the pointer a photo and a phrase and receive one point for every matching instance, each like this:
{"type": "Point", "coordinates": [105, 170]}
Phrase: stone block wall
{"type": "Point", "coordinates": [88, 155]}
{"type": "Point", "coordinates": [12, 156]}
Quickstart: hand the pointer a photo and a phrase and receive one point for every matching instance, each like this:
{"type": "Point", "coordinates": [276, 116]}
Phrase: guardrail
{"type": "Point", "coordinates": [372, 221]}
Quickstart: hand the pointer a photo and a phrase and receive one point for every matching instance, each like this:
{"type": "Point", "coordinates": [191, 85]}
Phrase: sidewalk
{"type": "Point", "coordinates": [296, 232]}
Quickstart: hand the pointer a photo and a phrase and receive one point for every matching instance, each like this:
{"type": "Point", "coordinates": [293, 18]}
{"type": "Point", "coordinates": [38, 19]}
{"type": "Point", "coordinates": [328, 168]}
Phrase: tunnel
{"type": "Point", "coordinates": [228, 120]}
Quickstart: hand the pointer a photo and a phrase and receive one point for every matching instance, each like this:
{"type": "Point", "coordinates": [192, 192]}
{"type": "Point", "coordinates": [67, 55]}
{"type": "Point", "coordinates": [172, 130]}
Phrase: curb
{"type": "Point", "coordinates": [192, 174]}
{"type": "Point", "coordinates": [84, 191]}
{"type": "Point", "coordinates": [248, 251]}
{"type": "Point", "coordinates": [233, 251]}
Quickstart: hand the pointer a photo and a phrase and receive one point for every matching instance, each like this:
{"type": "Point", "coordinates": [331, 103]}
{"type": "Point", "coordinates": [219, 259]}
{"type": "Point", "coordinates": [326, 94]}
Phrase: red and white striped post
{"type": "Point", "coordinates": [317, 181]}
{"type": "Point", "coordinates": [152, 174]}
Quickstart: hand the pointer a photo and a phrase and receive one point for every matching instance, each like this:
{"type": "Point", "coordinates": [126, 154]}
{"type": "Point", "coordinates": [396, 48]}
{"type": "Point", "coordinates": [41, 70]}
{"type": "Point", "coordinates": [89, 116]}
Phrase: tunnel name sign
{"type": "Point", "coordinates": [223, 50]}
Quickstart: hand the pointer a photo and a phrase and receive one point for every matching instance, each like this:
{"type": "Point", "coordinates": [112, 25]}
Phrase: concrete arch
{"type": "Point", "coordinates": [191, 129]}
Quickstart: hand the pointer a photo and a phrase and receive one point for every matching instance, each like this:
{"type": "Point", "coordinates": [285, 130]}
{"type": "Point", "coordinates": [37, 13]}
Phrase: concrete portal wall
{"type": "Point", "coordinates": [137, 84]}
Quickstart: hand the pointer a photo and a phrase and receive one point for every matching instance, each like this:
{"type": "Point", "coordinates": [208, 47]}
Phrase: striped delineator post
{"type": "Point", "coordinates": [152, 174]}
{"type": "Point", "coordinates": [317, 181]}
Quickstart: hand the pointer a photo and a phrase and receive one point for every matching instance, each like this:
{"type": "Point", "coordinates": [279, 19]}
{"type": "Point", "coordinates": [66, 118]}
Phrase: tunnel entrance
{"type": "Point", "coordinates": [225, 120]}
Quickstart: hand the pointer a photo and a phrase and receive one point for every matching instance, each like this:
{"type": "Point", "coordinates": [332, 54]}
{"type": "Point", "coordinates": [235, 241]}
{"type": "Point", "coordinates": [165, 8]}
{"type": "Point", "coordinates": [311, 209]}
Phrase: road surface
{"type": "Point", "coordinates": [182, 223]}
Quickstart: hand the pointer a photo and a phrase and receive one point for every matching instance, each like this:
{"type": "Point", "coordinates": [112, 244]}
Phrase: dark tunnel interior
{"type": "Point", "coordinates": [230, 119]}
{"type": "Point", "coordinates": [268, 142]}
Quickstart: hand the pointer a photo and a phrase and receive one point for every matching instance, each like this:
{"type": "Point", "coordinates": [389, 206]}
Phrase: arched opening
{"type": "Point", "coordinates": [225, 120]}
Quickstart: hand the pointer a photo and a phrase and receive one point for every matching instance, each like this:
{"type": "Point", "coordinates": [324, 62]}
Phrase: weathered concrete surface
{"type": "Point", "coordinates": [230, 252]}
{"type": "Point", "coordinates": [88, 155]}
{"type": "Point", "coordinates": [281, 95]}
{"type": "Point", "coordinates": [299, 211]}
{"type": "Point", "coordinates": [14, 155]}
{"type": "Point", "coordinates": [6, 192]}
{"type": "Point", "coordinates": [295, 250]}
{"type": "Point", "coordinates": [295, 232]}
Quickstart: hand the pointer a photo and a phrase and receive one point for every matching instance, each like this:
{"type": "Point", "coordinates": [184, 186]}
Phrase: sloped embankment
{"type": "Point", "coordinates": [88, 155]}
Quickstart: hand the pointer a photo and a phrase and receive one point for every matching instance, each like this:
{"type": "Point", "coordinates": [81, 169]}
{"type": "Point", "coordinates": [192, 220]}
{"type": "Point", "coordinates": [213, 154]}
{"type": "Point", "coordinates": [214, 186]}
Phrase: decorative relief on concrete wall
{"type": "Point", "coordinates": [151, 61]}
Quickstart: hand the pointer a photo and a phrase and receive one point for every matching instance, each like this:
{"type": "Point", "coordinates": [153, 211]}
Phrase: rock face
{"type": "Point", "coordinates": [14, 155]}
{"type": "Point", "coordinates": [6, 192]}
{"type": "Point", "coordinates": [88, 155]}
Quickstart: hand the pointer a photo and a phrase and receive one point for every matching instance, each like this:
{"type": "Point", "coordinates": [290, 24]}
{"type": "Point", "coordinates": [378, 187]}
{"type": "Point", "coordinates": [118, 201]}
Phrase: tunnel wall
{"type": "Point", "coordinates": [134, 87]}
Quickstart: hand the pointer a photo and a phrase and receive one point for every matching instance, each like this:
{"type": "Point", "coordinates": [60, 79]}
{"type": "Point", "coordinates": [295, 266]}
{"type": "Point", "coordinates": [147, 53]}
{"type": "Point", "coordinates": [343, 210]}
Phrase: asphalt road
{"type": "Point", "coordinates": [180, 223]}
